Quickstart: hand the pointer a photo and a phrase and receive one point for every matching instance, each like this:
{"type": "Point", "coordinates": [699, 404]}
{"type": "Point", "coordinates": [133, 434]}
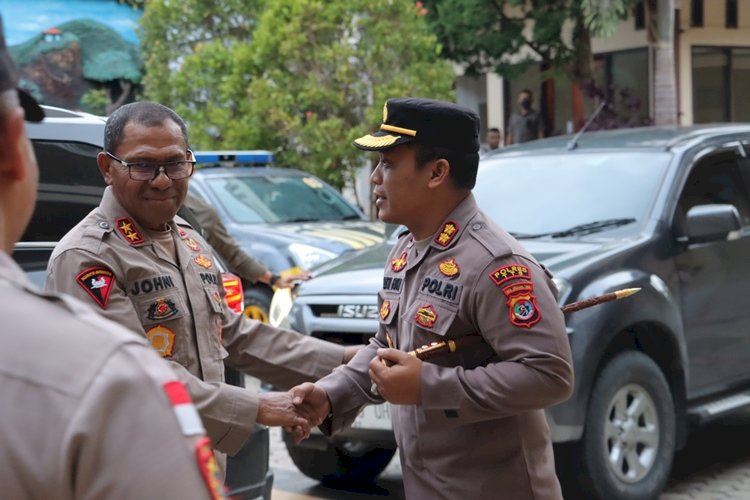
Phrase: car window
{"type": "Point", "coordinates": [70, 186]}
{"type": "Point", "coordinates": [716, 178]}
{"type": "Point", "coordinates": [532, 195]}
{"type": "Point", "coordinates": [279, 198]}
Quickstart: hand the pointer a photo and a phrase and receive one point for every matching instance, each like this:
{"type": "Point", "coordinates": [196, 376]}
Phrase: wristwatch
{"type": "Point", "coordinates": [274, 278]}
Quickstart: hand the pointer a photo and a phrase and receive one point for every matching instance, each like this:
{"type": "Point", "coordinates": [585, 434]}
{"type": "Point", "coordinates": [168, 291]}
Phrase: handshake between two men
{"type": "Point", "coordinates": [395, 373]}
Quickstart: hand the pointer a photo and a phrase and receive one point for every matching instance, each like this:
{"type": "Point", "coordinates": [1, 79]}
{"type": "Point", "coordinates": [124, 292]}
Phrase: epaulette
{"type": "Point", "coordinates": [495, 245]}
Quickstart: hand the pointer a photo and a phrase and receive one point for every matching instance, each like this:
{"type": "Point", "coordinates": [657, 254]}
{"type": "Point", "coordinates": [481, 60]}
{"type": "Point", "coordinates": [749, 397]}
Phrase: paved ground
{"type": "Point", "coordinates": [714, 466]}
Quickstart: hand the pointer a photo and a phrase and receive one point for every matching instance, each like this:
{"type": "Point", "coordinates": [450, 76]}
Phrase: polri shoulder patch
{"type": "Point", "coordinates": [98, 282]}
{"type": "Point", "coordinates": [209, 468]}
{"type": "Point", "coordinates": [447, 233]}
{"type": "Point", "coordinates": [521, 304]}
{"type": "Point", "coordinates": [126, 228]}
{"type": "Point", "coordinates": [510, 272]}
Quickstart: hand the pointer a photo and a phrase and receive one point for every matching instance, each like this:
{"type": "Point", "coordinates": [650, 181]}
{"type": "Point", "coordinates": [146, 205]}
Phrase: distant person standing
{"type": "Point", "coordinates": [526, 124]}
{"type": "Point", "coordinates": [493, 139]}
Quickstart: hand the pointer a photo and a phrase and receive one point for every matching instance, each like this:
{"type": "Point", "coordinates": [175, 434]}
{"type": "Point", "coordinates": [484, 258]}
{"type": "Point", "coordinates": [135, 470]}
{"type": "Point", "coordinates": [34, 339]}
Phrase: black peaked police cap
{"type": "Point", "coordinates": [426, 121]}
{"type": "Point", "coordinates": [9, 80]}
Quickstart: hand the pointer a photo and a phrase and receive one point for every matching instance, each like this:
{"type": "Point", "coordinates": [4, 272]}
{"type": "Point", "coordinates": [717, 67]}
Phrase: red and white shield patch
{"type": "Point", "coordinates": [98, 282]}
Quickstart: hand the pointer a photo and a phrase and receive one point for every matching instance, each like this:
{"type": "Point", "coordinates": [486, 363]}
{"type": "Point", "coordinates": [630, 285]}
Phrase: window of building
{"type": "Point", "coordinates": [696, 13]}
{"type": "Point", "coordinates": [639, 16]}
{"type": "Point", "coordinates": [731, 13]}
{"type": "Point", "coordinates": [720, 77]}
{"type": "Point", "coordinates": [622, 75]}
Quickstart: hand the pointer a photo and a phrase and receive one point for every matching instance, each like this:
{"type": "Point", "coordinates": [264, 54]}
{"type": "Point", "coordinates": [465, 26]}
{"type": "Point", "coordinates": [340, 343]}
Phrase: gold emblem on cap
{"type": "Point", "coordinates": [385, 112]}
{"type": "Point", "coordinates": [370, 141]}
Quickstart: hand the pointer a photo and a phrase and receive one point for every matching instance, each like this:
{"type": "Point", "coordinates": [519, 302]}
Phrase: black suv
{"type": "Point", "coordinates": [70, 186]}
{"type": "Point", "coordinates": [666, 210]}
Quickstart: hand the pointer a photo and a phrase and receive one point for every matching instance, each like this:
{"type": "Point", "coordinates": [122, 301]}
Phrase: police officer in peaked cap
{"type": "Point", "coordinates": [468, 422]}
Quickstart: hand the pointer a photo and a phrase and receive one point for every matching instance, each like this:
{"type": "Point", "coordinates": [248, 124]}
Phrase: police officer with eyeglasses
{"type": "Point", "coordinates": [145, 267]}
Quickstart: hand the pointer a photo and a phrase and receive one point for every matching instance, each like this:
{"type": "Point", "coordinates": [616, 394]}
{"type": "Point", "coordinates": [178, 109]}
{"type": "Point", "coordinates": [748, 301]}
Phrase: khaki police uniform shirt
{"type": "Point", "coordinates": [109, 261]}
{"type": "Point", "coordinates": [85, 405]}
{"type": "Point", "coordinates": [218, 237]}
{"type": "Point", "coordinates": [480, 429]}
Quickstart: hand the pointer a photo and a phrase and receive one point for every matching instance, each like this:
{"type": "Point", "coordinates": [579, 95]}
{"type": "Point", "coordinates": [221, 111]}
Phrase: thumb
{"type": "Point", "coordinates": [392, 355]}
{"type": "Point", "coordinates": [300, 392]}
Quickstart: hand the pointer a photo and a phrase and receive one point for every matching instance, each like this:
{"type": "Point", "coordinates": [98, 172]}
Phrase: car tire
{"type": "Point", "coordinates": [340, 463]}
{"type": "Point", "coordinates": [258, 302]}
{"type": "Point", "coordinates": [630, 410]}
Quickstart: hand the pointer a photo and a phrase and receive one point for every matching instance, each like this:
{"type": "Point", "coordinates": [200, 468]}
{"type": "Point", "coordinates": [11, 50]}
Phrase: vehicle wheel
{"type": "Point", "coordinates": [348, 462]}
{"type": "Point", "coordinates": [258, 302]}
{"type": "Point", "coordinates": [628, 444]}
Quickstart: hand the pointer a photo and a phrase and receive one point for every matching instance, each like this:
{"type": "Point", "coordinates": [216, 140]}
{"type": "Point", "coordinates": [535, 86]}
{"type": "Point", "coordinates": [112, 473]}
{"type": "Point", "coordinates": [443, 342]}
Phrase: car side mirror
{"type": "Point", "coordinates": [711, 222]}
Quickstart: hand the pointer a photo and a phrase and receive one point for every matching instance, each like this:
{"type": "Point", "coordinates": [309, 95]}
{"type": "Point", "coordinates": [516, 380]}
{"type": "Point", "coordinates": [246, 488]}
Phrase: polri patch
{"type": "Point", "coordinates": [426, 316]}
{"type": "Point", "coordinates": [203, 261]}
{"type": "Point", "coordinates": [447, 233]}
{"type": "Point", "coordinates": [161, 339]}
{"type": "Point", "coordinates": [521, 304]}
{"type": "Point", "coordinates": [399, 263]}
{"type": "Point", "coordinates": [209, 468]}
{"type": "Point", "coordinates": [98, 282]}
{"type": "Point", "coordinates": [449, 267]}
{"type": "Point", "coordinates": [126, 227]}
{"type": "Point", "coordinates": [163, 308]}
{"type": "Point", "coordinates": [509, 272]}
{"type": "Point", "coordinates": [443, 289]}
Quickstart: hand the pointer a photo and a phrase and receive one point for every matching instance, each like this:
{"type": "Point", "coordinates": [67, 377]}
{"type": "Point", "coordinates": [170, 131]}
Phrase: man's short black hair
{"type": "Point", "coordinates": [528, 92]}
{"type": "Point", "coordinates": [150, 114]}
{"type": "Point", "coordinates": [463, 165]}
{"type": "Point", "coordinates": [494, 129]}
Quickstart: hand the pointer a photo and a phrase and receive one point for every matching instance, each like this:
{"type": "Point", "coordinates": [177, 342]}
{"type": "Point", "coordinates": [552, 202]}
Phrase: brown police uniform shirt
{"type": "Point", "coordinates": [85, 405]}
{"type": "Point", "coordinates": [109, 261]}
{"type": "Point", "coordinates": [218, 237]}
{"type": "Point", "coordinates": [480, 429]}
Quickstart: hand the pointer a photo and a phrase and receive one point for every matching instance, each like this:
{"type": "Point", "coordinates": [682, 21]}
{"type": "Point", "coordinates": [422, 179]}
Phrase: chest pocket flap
{"type": "Point", "coordinates": [432, 315]}
{"type": "Point", "coordinates": [388, 305]}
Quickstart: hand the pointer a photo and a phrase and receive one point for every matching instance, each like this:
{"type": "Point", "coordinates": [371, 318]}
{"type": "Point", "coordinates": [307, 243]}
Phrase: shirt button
{"type": "Point", "coordinates": [104, 225]}
{"type": "Point", "coordinates": [476, 226]}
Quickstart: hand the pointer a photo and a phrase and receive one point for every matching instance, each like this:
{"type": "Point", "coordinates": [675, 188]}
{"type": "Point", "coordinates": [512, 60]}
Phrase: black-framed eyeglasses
{"type": "Point", "coordinates": [148, 171]}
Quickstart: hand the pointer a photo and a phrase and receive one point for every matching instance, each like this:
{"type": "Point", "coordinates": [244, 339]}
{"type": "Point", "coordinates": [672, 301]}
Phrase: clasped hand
{"type": "Point", "coordinates": [397, 376]}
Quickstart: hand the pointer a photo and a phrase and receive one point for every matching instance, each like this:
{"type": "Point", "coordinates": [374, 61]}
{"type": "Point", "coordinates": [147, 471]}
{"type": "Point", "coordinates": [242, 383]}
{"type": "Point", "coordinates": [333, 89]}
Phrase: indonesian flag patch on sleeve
{"type": "Point", "coordinates": [98, 282]}
{"type": "Point", "coordinates": [187, 416]}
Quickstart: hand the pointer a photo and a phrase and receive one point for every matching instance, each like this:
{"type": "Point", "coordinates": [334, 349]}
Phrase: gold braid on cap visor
{"type": "Point", "coordinates": [370, 141]}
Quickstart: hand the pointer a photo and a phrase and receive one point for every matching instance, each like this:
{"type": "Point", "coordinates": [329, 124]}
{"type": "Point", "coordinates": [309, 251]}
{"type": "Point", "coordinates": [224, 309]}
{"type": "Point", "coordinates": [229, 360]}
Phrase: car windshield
{"type": "Point", "coordinates": [279, 198]}
{"type": "Point", "coordinates": [566, 195]}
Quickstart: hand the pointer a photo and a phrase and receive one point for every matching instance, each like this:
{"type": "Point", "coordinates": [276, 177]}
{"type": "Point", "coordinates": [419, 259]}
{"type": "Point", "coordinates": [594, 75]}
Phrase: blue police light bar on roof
{"type": "Point", "coordinates": [254, 157]}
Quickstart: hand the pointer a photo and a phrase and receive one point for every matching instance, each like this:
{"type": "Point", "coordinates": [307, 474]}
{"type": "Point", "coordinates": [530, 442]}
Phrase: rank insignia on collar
{"type": "Point", "coordinates": [203, 261]}
{"type": "Point", "coordinates": [181, 232]}
{"type": "Point", "coordinates": [98, 282]}
{"type": "Point", "coordinates": [161, 309]}
{"type": "Point", "coordinates": [192, 244]}
{"type": "Point", "coordinates": [426, 316]}
{"type": "Point", "coordinates": [521, 304]}
{"type": "Point", "coordinates": [510, 272]}
{"type": "Point", "coordinates": [446, 235]}
{"type": "Point", "coordinates": [399, 263]}
{"type": "Point", "coordinates": [161, 339]}
{"type": "Point", "coordinates": [126, 227]}
{"type": "Point", "coordinates": [449, 267]}
{"type": "Point", "coordinates": [385, 309]}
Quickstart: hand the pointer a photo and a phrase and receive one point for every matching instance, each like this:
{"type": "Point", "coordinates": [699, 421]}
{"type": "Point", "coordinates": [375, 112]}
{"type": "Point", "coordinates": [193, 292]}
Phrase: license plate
{"type": "Point", "coordinates": [374, 417]}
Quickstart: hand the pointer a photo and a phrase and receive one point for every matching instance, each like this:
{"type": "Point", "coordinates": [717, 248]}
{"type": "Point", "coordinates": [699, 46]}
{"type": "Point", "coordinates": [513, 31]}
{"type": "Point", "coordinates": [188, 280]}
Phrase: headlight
{"type": "Point", "coordinates": [308, 256]}
{"type": "Point", "coordinates": [281, 304]}
{"type": "Point", "coordinates": [563, 289]}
